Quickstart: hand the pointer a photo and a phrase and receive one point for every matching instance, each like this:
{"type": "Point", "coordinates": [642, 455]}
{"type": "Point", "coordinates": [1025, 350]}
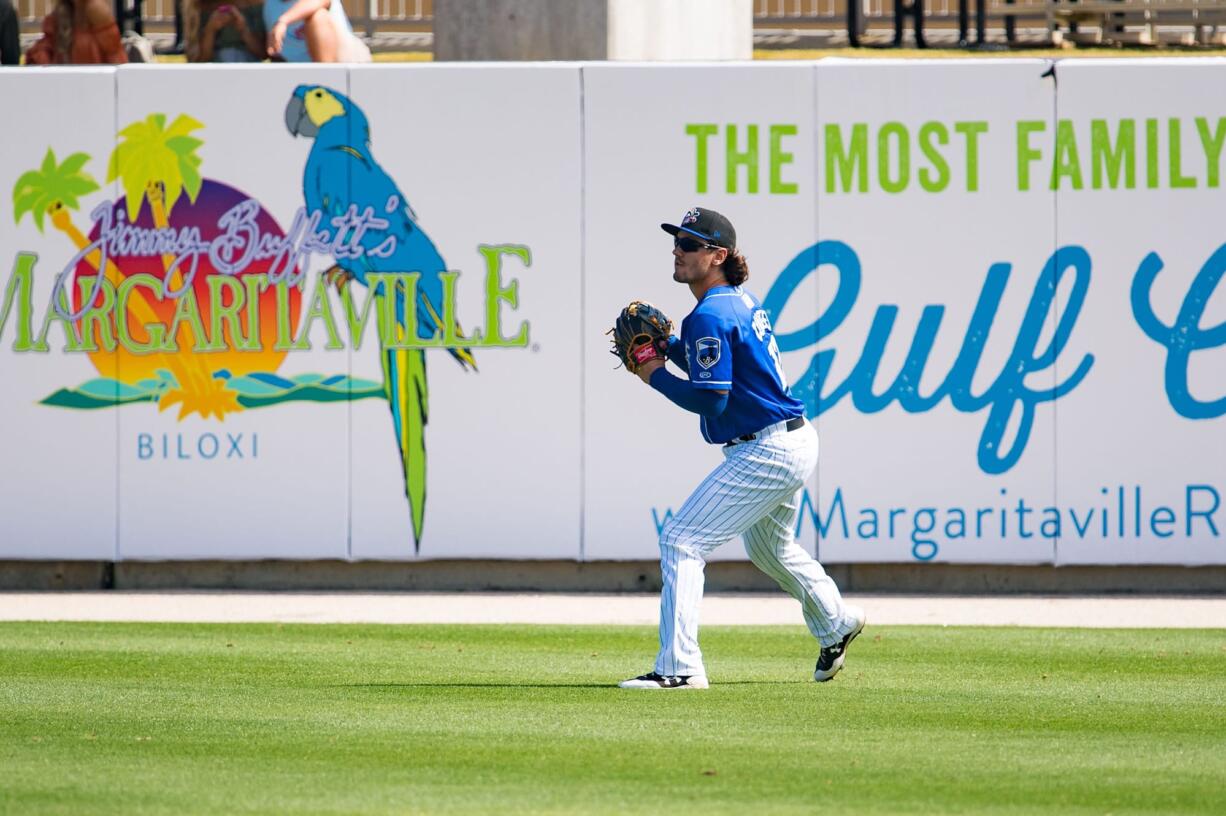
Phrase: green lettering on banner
{"type": "Point", "coordinates": [1025, 153]}
{"type": "Point", "coordinates": [701, 133]}
{"type": "Point", "coordinates": [496, 293]}
{"type": "Point", "coordinates": [284, 341]}
{"type": "Point", "coordinates": [98, 315]}
{"type": "Point", "coordinates": [320, 309]}
{"type": "Point", "coordinates": [355, 320]}
{"type": "Point", "coordinates": [20, 290]}
{"type": "Point", "coordinates": [1151, 153]}
{"type": "Point", "coordinates": [389, 332]}
{"type": "Point", "coordinates": [158, 342]}
{"type": "Point", "coordinates": [380, 285]}
{"type": "Point", "coordinates": [933, 182]}
{"type": "Point", "coordinates": [1212, 144]}
{"type": "Point", "coordinates": [222, 316]}
{"type": "Point", "coordinates": [451, 335]}
{"type": "Point", "coordinates": [403, 285]}
{"type": "Point", "coordinates": [1108, 161]}
{"type": "Point", "coordinates": [187, 310]}
{"type": "Point", "coordinates": [1067, 164]}
{"type": "Point", "coordinates": [52, 315]}
{"type": "Point", "coordinates": [779, 158]}
{"type": "Point", "coordinates": [397, 286]}
{"type": "Point", "coordinates": [1178, 180]}
{"type": "Point", "coordinates": [850, 162]}
{"type": "Point", "coordinates": [747, 158]}
{"type": "Point", "coordinates": [255, 286]}
{"type": "Point", "coordinates": [972, 131]}
{"type": "Point", "coordinates": [899, 131]}
{"type": "Point", "coordinates": [407, 336]}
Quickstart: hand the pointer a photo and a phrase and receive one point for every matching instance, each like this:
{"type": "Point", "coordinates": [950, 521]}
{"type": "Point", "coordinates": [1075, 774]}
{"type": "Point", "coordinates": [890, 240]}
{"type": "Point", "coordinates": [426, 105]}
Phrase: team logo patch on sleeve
{"type": "Point", "coordinates": [707, 351]}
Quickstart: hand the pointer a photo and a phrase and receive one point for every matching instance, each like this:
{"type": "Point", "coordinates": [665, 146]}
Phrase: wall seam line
{"type": "Point", "coordinates": [582, 316]}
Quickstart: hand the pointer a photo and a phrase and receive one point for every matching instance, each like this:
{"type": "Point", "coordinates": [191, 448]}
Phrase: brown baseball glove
{"type": "Point", "coordinates": [640, 334]}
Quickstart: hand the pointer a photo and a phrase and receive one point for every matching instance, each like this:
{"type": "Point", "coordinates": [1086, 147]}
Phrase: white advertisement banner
{"type": "Point", "coordinates": [490, 163]}
{"type": "Point", "coordinates": [248, 378]}
{"type": "Point", "coordinates": [359, 313]}
{"type": "Point", "coordinates": [929, 364]}
{"type": "Point", "coordinates": [1141, 443]}
{"type": "Point", "coordinates": [59, 480]}
{"type": "Point", "coordinates": [234, 459]}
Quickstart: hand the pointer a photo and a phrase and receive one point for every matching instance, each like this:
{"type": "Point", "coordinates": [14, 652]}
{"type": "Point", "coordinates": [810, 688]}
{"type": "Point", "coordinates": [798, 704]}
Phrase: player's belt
{"type": "Point", "coordinates": [793, 424]}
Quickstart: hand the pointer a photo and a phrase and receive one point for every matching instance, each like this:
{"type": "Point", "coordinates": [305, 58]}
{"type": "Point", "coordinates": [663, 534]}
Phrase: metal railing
{"type": "Point", "coordinates": [162, 12]}
{"type": "Point", "coordinates": [816, 12]}
{"type": "Point", "coordinates": [1115, 20]}
{"type": "Point", "coordinates": [853, 16]}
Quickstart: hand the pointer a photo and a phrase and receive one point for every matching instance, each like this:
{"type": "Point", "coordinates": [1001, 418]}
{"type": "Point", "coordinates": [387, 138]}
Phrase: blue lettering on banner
{"type": "Point", "coordinates": [206, 446]}
{"type": "Point", "coordinates": [1123, 514]}
{"type": "Point", "coordinates": [1006, 397]}
{"type": "Point", "coordinates": [1185, 335]}
{"type": "Point", "coordinates": [660, 521]}
{"type": "Point", "coordinates": [1207, 515]}
{"type": "Point", "coordinates": [242, 244]}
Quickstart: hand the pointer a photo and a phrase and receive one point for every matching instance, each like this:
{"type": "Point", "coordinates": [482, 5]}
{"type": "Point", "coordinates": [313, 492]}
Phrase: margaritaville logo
{"type": "Point", "coordinates": [186, 292]}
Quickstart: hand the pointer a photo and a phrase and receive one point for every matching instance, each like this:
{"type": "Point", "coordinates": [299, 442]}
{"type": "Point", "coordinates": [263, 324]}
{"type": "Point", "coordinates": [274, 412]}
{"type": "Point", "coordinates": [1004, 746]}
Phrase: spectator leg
{"type": "Point", "coordinates": [321, 37]}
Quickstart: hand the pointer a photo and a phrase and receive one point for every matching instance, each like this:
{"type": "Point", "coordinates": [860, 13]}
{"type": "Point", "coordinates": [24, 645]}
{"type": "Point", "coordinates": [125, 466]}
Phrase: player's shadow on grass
{"type": "Point", "coordinates": [473, 685]}
{"type": "Point", "coordinates": [494, 685]}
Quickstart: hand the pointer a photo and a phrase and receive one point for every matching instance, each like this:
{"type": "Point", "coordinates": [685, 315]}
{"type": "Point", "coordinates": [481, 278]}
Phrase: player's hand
{"type": "Point", "coordinates": [647, 369]}
{"type": "Point", "coordinates": [276, 38]}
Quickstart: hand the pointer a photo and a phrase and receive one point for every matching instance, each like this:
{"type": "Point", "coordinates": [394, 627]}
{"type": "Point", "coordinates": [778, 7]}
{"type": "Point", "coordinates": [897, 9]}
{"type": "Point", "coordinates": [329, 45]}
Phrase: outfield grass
{"type": "Point", "coordinates": [140, 718]}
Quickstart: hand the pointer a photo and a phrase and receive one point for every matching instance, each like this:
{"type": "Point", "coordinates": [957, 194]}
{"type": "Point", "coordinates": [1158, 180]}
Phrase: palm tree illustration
{"type": "Point", "coordinates": [159, 164]}
{"type": "Point", "coordinates": [54, 191]}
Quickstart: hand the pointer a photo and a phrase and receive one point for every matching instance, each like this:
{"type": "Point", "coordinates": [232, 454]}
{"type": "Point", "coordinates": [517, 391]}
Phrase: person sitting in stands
{"type": "Point", "coordinates": [79, 32]}
{"type": "Point", "coordinates": [311, 31]}
{"type": "Point", "coordinates": [230, 32]}
{"type": "Point", "coordinates": [10, 34]}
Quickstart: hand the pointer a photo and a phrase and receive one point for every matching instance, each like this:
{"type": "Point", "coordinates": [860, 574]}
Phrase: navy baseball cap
{"type": "Point", "coordinates": [708, 225]}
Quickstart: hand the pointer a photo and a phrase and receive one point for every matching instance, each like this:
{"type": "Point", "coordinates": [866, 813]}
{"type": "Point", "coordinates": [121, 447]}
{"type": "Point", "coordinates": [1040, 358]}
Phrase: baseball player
{"type": "Point", "coordinates": [737, 386]}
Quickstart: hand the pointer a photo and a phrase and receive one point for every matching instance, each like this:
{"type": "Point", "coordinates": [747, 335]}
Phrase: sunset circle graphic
{"type": "Point", "coordinates": [146, 304]}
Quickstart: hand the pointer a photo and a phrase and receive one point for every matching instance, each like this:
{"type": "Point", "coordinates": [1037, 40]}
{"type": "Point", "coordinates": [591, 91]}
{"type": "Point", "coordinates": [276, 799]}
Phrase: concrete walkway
{"type": "Point", "coordinates": [717, 610]}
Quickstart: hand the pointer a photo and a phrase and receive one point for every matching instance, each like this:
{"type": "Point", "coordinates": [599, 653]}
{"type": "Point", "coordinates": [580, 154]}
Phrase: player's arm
{"type": "Point", "coordinates": [708, 402]}
{"type": "Point", "coordinates": [704, 343]}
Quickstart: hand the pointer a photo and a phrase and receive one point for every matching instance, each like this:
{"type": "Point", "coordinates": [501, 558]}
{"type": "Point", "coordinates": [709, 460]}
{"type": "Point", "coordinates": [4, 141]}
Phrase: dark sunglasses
{"type": "Point", "coordinates": [690, 244]}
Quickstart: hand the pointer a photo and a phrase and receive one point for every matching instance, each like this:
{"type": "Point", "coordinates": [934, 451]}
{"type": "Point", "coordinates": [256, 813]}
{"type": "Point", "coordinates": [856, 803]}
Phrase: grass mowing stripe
{"type": "Point", "coordinates": [258, 718]}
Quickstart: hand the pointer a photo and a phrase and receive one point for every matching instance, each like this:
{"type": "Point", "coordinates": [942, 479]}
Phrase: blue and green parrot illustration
{"type": "Point", "coordinates": [341, 172]}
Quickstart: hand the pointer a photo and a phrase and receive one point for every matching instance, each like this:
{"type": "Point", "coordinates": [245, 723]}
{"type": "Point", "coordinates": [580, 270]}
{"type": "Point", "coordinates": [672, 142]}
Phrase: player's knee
{"type": "Point", "coordinates": [668, 535]}
{"type": "Point", "coordinates": [673, 537]}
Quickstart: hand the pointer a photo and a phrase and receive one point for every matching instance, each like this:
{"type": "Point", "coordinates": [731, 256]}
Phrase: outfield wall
{"type": "Point", "coordinates": [995, 287]}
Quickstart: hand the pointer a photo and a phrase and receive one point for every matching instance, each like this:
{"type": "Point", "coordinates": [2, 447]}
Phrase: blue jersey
{"type": "Point", "coordinates": [729, 346]}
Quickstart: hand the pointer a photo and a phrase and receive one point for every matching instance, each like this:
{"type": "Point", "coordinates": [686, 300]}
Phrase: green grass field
{"type": "Point", "coordinates": [140, 718]}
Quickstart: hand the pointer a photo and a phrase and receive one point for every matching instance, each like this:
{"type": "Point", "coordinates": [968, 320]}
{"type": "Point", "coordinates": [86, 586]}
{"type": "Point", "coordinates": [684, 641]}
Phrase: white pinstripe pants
{"type": "Point", "coordinates": [755, 493]}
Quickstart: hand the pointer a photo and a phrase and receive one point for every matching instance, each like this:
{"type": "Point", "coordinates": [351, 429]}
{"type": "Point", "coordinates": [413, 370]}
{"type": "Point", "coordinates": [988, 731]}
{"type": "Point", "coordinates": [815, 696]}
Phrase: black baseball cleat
{"type": "Point", "coordinates": [831, 659]}
{"type": "Point", "coordinates": [653, 680]}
